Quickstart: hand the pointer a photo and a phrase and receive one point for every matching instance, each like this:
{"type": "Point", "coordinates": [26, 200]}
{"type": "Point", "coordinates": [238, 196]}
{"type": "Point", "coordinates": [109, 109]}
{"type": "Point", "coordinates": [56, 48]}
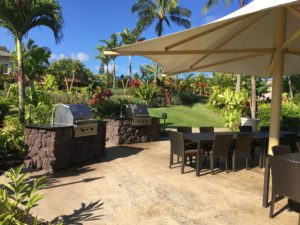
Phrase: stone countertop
{"type": "Point", "coordinates": [46, 126]}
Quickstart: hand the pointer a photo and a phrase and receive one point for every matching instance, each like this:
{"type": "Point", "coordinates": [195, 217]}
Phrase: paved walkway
{"type": "Point", "coordinates": [134, 185]}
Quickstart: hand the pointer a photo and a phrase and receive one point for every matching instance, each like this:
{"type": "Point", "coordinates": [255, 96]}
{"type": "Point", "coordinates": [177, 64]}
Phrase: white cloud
{"type": "Point", "coordinates": [81, 56]}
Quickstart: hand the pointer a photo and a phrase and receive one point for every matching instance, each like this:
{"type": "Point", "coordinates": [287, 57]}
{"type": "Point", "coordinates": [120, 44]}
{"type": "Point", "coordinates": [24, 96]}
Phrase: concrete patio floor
{"type": "Point", "coordinates": [134, 185]}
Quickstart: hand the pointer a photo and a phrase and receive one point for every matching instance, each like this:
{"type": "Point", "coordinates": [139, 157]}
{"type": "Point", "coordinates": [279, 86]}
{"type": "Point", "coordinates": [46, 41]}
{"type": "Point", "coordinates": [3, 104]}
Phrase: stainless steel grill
{"type": "Point", "coordinates": [138, 114]}
{"type": "Point", "coordinates": [77, 115]}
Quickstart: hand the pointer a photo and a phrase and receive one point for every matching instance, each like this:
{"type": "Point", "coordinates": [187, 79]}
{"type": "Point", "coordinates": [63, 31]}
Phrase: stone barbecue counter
{"type": "Point", "coordinates": [121, 131]}
{"type": "Point", "coordinates": [55, 148]}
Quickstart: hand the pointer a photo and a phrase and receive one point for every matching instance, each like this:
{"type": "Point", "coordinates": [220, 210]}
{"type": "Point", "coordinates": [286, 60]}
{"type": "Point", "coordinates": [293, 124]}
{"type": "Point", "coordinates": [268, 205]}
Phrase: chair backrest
{"type": "Point", "coordinates": [176, 142]}
{"type": "Point", "coordinates": [206, 129]}
{"type": "Point", "coordinates": [245, 128]}
{"type": "Point", "coordinates": [290, 139]}
{"type": "Point", "coordinates": [281, 150]}
{"type": "Point", "coordinates": [243, 144]}
{"type": "Point", "coordinates": [221, 146]}
{"type": "Point", "coordinates": [265, 128]}
{"type": "Point", "coordinates": [184, 129]}
{"type": "Point", "coordinates": [285, 178]}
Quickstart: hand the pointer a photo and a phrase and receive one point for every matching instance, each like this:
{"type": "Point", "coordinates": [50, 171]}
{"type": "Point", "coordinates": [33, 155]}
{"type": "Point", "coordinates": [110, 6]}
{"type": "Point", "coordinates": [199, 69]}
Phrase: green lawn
{"type": "Point", "coordinates": [195, 116]}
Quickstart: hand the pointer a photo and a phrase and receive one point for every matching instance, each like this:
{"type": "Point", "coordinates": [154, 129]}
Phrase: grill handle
{"type": "Point", "coordinates": [53, 111]}
{"type": "Point", "coordinates": [122, 107]}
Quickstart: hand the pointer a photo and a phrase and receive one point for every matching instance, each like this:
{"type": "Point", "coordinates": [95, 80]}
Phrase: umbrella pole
{"type": "Point", "coordinates": [277, 78]}
{"type": "Point", "coordinates": [276, 95]}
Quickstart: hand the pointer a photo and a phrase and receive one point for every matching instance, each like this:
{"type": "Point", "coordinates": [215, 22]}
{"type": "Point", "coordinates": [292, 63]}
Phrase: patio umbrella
{"type": "Point", "coordinates": [260, 39]}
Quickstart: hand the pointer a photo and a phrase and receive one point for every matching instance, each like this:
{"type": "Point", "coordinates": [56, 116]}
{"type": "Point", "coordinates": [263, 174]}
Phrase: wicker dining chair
{"type": "Point", "coordinates": [185, 129]}
{"type": "Point", "coordinates": [281, 150]}
{"type": "Point", "coordinates": [265, 129]}
{"type": "Point", "coordinates": [285, 181]}
{"type": "Point", "coordinates": [206, 129]}
{"type": "Point", "coordinates": [245, 128]}
{"type": "Point", "coordinates": [242, 148]}
{"type": "Point", "coordinates": [291, 140]}
{"type": "Point", "coordinates": [220, 149]}
{"type": "Point", "coordinates": [178, 148]}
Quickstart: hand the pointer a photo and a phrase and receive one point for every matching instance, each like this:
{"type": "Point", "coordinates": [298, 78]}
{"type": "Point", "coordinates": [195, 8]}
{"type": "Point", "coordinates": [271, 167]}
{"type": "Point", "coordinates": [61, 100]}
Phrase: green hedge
{"type": "Point", "coordinates": [4, 109]}
{"type": "Point", "coordinates": [290, 113]}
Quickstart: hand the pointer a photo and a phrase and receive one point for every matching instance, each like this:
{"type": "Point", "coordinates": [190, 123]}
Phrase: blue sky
{"type": "Point", "coordinates": [88, 21]}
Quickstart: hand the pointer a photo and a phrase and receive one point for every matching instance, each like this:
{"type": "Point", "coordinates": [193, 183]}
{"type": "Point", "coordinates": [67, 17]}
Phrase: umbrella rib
{"type": "Point", "coordinates": [193, 37]}
{"type": "Point", "coordinates": [236, 34]}
{"type": "Point", "coordinates": [294, 11]}
{"type": "Point", "coordinates": [291, 40]}
{"type": "Point", "coordinates": [192, 52]}
{"type": "Point", "coordinates": [223, 62]}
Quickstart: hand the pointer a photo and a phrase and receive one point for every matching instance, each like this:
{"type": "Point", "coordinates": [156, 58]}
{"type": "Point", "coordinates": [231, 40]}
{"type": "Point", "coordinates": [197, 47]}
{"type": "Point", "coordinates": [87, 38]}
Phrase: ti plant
{"type": "Point", "coordinates": [18, 197]}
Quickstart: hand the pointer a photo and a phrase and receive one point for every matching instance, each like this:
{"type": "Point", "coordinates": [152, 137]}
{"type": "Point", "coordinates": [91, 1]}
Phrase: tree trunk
{"type": "Point", "coordinates": [72, 81]}
{"type": "Point", "coordinates": [67, 84]}
{"type": "Point", "coordinates": [238, 83]}
{"type": "Point", "coordinates": [20, 80]}
{"type": "Point", "coordinates": [107, 74]}
{"type": "Point", "coordinates": [253, 96]}
{"type": "Point", "coordinates": [114, 74]}
{"type": "Point", "coordinates": [290, 87]}
{"type": "Point", "coordinates": [155, 74]}
{"type": "Point", "coordinates": [130, 66]}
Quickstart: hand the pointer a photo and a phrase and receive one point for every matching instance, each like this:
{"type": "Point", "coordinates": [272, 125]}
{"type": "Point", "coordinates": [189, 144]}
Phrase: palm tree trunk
{"type": "Point", "coordinates": [72, 81]}
{"type": "Point", "coordinates": [130, 66]}
{"type": "Point", "coordinates": [114, 74]}
{"type": "Point", "coordinates": [155, 74]}
{"type": "Point", "coordinates": [290, 87]}
{"type": "Point", "coordinates": [253, 96]}
{"type": "Point", "coordinates": [20, 80]}
{"type": "Point", "coordinates": [238, 83]}
{"type": "Point", "coordinates": [107, 74]}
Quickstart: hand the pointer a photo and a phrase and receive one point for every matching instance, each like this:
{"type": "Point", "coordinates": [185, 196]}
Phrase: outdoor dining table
{"type": "Point", "coordinates": [292, 157]}
{"type": "Point", "coordinates": [258, 136]}
{"type": "Point", "coordinates": [262, 137]}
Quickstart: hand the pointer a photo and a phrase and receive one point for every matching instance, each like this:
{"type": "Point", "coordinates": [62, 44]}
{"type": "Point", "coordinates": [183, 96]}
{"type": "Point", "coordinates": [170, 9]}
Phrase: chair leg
{"type": "Point", "coordinates": [247, 166]}
{"type": "Point", "coordinates": [226, 165]}
{"type": "Point", "coordinates": [183, 164]}
{"type": "Point", "coordinates": [212, 164]}
{"type": "Point", "coordinates": [233, 162]}
{"type": "Point", "coordinates": [198, 164]}
{"type": "Point", "coordinates": [171, 160]}
{"type": "Point", "coordinates": [177, 158]}
{"type": "Point", "coordinates": [272, 205]}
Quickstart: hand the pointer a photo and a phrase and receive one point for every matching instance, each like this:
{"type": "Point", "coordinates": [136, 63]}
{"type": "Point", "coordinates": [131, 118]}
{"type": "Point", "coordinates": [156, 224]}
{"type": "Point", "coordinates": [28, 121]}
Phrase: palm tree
{"type": "Point", "coordinates": [19, 17]}
{"type": "Point", "coordinates": [110, 45]}
{"type": "Point", "coordinates": [130, 37]}
{"type": "Point", "coordinates": [162, 12]}
{"type": "Point", "coordinates": [210, 3]}
{"type": "Point", "coordinates": [105, 59]}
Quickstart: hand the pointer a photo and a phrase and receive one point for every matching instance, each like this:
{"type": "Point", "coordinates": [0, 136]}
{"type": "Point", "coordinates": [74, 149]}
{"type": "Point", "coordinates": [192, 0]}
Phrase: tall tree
{"type": "Point", "coordinates": [160, 12]}
{"type": "Point", "coordinates": [210, 3]}
{"type": "Point", "coordinates": [36, 59]}
{"type": "Point", "coordinates": [105, 59]}
{"type": "Point", "coordinates": [19, 17]}
{"type": "Point", "coordinates": [131, 37]}
{"type": "Point", "coordinates": [110, 45]}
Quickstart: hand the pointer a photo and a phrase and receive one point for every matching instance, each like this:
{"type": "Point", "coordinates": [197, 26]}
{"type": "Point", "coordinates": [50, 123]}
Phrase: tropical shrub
{"type": "Point", "coordinates": [146, 92]}
{"type": "Point", "coordinates": [187, 98]}
{"type": "Point", "coordinates": [111, 106]}
{"type": "Point", "coordinates": [18, 197]}
{"type": "Point", "coordinates": [4, 109]}
{"type": "Point", "coordinates": [11, 136]}
{"type": "Point", "coordinates": [234, 102]}
{"type": "Point", "coordinates": [290, 112]}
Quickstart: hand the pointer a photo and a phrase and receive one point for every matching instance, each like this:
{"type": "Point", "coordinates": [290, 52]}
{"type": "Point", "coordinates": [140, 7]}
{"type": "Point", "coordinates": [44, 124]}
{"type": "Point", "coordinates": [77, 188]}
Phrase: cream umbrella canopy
{"type": "Point", "coordinates": [260, 39]}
